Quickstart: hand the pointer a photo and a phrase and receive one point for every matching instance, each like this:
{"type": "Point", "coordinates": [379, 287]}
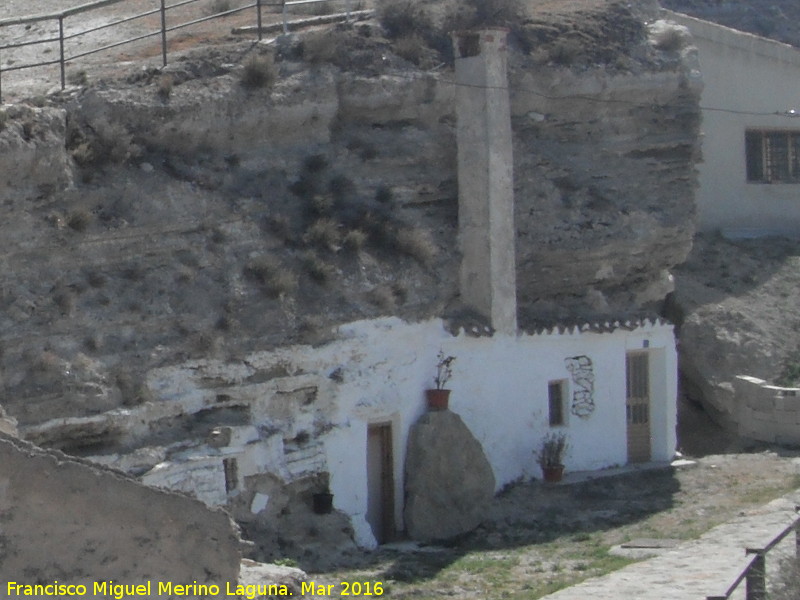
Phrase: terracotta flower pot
{"type": "Point", "coordinates": [553, 474]}
{"type": "Point", "coordinates": [437, 399]}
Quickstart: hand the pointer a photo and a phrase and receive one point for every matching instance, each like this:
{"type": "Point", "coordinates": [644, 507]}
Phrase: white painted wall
{"type": "Point", "coordinates": [384, 366]}
{"type": "Point", "coordinates": [743, 72]}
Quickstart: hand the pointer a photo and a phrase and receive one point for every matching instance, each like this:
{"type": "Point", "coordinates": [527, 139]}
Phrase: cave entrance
{"type": "Point", "coordinates": [380, 482]}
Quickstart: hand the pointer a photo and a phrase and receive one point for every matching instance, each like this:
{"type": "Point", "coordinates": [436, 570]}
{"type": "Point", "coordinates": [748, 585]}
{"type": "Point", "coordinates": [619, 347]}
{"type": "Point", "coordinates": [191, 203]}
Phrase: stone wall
{"type": "Point", "coordinates": [70, 521]}
{"type": "Point", "coordinates": [768, 413]}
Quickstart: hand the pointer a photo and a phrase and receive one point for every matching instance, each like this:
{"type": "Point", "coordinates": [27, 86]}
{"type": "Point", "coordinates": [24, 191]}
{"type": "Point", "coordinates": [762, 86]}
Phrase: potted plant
{"type": "Point", "coordinates": [439, 397]}
{"type": "Point", "coordinates": [551, 456]}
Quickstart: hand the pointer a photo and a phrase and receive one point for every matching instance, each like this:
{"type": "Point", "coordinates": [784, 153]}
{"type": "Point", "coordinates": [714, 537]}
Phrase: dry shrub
{"type": "Point", "coordinates": [401, 18]}
{"type": "Point", "coordinates": [318, 269]}
{"type": "Point", "coordinates": [274, 278]}
{"type": "Point", "coordinates": [412, 48]}
{"type": "Point", "coordinates": [79, 219]}
{"type": "Point", "coordinates": [103, 142]}
{"type": "Point", "coordinates": [354, 240]}
{"type": "Point", "coordinates": [417, 244]}
{"type": "Point", "coordinates": [259, 72]}
{"type": "Point", "coordinates": [322, 47]}
{"type": "Point", "coordinates": [383, 297]}
{"type": "Point", "coordinates": [324, 233]}
{"type": "Point", "coordinates": [165, 84]}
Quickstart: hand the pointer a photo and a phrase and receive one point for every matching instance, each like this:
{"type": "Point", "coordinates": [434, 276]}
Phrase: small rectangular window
{"type": "Point", "coordinates": [555, 396]}
{"type": "Point", "coordinates": [231, 469]}
{"type": "Point", "coordinates": [772, 156]}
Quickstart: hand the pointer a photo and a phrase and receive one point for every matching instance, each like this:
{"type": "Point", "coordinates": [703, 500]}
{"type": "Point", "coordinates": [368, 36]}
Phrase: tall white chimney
{"type": "Point", "coordinates": [485, 177]}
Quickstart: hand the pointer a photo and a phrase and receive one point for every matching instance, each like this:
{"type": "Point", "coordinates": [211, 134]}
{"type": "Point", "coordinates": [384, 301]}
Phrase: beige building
{"type": "Point", "coordinates": [750, 174]}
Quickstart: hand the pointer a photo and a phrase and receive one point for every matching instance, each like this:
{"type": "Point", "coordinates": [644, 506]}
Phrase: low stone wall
{"type": "Point", "coordinates": [767, 412]}
{"type": "Point", "coordinates": [67, 521]}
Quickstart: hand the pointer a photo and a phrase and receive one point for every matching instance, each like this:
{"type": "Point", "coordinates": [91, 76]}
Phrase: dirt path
{"type": "Point", "coordinates": [541, 538]}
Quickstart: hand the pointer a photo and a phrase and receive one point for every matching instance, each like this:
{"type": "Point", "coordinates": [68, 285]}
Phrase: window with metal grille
{"type": "Point", "coordinates": [231, 470]}
{"type": "Point", "coordinates": [772, 156]}
{"type": "Point", "coordinates": [555, 397]}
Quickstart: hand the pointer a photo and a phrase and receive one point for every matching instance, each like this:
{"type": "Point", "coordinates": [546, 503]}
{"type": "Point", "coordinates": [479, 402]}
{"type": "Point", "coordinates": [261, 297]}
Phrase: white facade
{"type": "Point", "coordinates": [743, 74]}
{"type": "Point", "coordinates": [382, 367]}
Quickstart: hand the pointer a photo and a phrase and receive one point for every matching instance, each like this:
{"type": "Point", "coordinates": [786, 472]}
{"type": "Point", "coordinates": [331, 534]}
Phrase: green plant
{"type": "Point", "coordinates": [552, 450]}
{"type": "Point", "coordinates": [259, 72]}
{"type": "Point", "coordinates": [444, 369]}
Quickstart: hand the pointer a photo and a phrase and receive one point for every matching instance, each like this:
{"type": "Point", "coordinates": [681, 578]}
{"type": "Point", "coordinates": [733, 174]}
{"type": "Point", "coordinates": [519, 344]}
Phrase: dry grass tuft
{"type": "Point", "coordinates": [275, 279]}
{"type": "Point", "coordinates": [259, 72]}
{"type": "Point", "coordinates": [417, 244]}
{"type": "Point", "coordinates": [324, 233]}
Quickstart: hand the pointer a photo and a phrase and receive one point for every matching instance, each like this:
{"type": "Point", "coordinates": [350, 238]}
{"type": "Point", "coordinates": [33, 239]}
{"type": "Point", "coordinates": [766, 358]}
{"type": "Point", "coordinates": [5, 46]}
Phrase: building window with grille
{"type": "Point", "coordinates": [772, 156]}
{"type": "Point", "coordinates": [556, 400]}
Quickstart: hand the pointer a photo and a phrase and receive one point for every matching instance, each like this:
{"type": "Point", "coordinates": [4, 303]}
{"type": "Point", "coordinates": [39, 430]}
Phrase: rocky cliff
{"type": "Point", "coordinates": [190, 212]}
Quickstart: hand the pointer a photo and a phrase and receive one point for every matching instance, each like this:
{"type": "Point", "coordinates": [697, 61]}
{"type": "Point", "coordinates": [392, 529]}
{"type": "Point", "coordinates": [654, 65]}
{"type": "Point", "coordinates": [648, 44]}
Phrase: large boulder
{"type": "Point", "coordinates": [449, 481]}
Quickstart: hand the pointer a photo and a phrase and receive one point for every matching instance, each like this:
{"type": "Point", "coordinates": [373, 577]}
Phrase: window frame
{"type": "Point", "coordinates": [563, 387]}
{"type": "Point", "coordinates": [772, 156]}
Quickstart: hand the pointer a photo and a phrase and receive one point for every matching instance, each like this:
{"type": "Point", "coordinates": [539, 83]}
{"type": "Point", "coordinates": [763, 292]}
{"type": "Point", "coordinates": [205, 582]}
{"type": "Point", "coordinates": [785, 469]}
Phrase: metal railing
{"type": "Point", "coordinates": [62, 38]}
{"type": "Point", "coordinates": [754, 573]}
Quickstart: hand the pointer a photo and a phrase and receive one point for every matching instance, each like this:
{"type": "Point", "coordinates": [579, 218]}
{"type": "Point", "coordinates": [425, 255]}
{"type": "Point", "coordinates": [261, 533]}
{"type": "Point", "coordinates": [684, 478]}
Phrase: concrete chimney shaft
{"type": "Point", "coordinates": [485, 177]}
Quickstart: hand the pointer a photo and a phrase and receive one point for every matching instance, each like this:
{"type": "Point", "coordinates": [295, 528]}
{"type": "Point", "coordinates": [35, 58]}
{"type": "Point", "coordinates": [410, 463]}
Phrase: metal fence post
{"type": "Point", "coordinates": [348, 10]}
{"type": "Point", "coordinates": [258, 10]}
{"type": "Point", "coordinates": [164, 32]}
{"type": "Point", "coordinates": [755, 582]}
{"type": "Point", "coordinates": [285, 24]}
{"type": "Point", "coordinates": [61, 50]}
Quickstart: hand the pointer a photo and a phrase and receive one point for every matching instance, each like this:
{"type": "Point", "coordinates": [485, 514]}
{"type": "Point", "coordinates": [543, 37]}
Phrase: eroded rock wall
{"type": "Point", "coordinates": [73, 522]}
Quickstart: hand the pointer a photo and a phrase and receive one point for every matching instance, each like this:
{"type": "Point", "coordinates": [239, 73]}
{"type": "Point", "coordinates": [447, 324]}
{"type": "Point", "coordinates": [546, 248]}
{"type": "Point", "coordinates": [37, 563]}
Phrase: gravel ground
{"type": "Point", "coordinates": [539, 537]}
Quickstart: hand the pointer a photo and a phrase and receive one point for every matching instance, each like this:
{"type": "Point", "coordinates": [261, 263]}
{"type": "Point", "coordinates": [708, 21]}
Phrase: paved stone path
{"type": "Point", "coordinates": [696, 569]}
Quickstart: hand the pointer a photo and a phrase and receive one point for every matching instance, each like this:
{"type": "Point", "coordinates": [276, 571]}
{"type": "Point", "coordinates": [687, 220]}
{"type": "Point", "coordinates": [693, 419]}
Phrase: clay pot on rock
{"type": "Point", "coordinates": [437, 399]}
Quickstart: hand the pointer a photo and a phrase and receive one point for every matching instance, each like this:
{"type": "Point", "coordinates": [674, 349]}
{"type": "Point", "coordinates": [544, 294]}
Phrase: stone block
{"type": "Point", "coordinates": [449, 481]}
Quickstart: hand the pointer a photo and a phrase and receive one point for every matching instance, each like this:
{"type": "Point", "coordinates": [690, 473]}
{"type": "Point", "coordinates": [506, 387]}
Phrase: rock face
{"type": "Point", "coordinates": [736, 310]}
{"type": "Point", "coordinates": [33, 158]}
{"type": "Point", "coordinates": [116, 527]}
{"type": "Point", "coordinates": [449, 482]}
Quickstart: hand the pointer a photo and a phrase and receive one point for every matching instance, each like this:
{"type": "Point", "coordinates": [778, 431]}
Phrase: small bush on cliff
{"type": "Point", "coordinates": [259, 72]}
{"type": "Point", "coordinates": [275, 279]}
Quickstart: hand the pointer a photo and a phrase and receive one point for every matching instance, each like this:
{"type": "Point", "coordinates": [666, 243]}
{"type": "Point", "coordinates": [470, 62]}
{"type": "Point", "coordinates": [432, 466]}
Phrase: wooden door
{"type": "Point", "coordinates": [637, 406]}
{"type": "Point", "coordinates": [380, 482]}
